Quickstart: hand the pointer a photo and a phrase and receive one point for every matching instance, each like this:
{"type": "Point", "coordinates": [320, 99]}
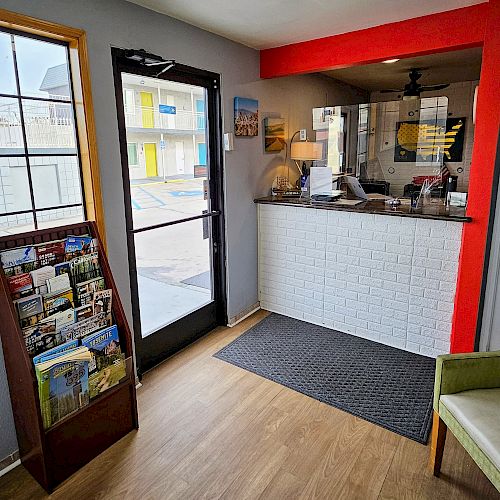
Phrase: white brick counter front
{"type": "Point", "coordinates": [386, 278]}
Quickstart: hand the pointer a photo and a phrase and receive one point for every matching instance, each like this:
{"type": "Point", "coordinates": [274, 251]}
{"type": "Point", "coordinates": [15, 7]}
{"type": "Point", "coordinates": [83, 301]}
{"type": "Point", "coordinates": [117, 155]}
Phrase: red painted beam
{"type": "Point", "coordinates": [451, 30]}
{"type": "Point", "coordinates": [480, 183]}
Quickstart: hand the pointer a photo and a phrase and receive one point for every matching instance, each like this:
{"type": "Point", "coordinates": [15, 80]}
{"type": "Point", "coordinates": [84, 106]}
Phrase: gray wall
{"type": "Point", "coordinates": [8, 442]}
{"type": "Point", "coordinates": [248, 171]}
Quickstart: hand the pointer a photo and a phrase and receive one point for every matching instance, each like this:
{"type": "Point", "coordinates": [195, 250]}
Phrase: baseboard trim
{"type": "Point", "coordinates": [243, 314]}
{"type": "Point", "coordinates": [9, 463]}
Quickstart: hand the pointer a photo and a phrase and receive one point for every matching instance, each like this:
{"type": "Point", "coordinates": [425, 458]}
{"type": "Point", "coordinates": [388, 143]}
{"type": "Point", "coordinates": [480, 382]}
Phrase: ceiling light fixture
{"type": "Point", "coordinates": [390, 61]}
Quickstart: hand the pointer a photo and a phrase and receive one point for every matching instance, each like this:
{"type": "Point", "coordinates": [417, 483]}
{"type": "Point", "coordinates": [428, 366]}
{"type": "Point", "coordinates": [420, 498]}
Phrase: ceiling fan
{"type": "Point", "coordinates": [413, 89]}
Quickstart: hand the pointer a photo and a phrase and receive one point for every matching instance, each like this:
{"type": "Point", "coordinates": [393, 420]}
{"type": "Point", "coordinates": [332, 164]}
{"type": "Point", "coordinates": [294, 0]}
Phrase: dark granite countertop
{"type": "Point", "coordinates": [436, 211]}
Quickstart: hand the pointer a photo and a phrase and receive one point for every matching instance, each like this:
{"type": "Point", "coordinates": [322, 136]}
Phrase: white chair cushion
{"type": "Point", "coordinates": [478, 412]}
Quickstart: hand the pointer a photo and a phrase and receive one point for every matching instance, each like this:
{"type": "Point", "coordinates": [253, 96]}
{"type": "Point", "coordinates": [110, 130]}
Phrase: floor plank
{"type": "Point", "coordinates": [212, 430]}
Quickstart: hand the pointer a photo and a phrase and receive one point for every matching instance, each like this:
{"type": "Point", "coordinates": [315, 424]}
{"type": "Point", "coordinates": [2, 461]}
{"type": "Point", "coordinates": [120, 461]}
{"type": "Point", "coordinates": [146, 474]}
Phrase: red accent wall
{"type": "Point", "coordinates": [452, 30]}
{"type": "Point", "coordinates": [478, 25]}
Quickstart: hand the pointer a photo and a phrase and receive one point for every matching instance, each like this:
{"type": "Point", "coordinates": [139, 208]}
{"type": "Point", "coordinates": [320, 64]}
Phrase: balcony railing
{"type": "Point", "coordinates": [145, 117]}
{"type": "Point", "coordinates": [47, 126]}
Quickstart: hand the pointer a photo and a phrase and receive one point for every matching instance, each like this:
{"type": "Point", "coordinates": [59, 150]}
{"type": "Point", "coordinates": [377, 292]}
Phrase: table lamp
{"type": "Point", "coordinates": [306, 151]}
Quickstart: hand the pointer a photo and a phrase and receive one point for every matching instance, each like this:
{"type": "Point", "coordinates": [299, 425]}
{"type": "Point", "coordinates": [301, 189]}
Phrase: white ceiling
{"type": "Point", "coordinates": [444, 67]}
{"type": "Point", "coordinates": [262, 24]}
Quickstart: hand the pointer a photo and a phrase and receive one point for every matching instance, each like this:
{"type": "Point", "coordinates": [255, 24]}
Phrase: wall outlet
{"type": "Point", "coordinates": [303, 134]}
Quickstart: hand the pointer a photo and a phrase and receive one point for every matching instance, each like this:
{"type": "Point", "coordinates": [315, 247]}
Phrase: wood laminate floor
{"type": "Point", "coordinates": [212, 430]}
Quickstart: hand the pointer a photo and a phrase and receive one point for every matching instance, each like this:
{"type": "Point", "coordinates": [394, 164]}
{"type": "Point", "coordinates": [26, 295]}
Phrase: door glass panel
{"type": "Point", "coordinates": [167, 152]}
{"type": "Point", "coordinates": [174, 272]}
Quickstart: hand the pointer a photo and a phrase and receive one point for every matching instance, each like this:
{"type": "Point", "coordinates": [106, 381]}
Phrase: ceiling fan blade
{"type": "Point", "coordinates": [387, 91]}
{"type": "Point", "coordinates": [428, 88]}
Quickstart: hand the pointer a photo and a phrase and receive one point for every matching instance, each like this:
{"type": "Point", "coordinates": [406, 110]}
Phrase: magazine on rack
{"type": "Point", "coordinates": [83, 312]}
{"type": "Point", "coordinates": [85, 291]}
{"type": "Point", "coordinates": [107, 366]}
{"type": "Point", "coordinates": [62, 318]}
{"type": "Point", "coordinates": [58, 301]}
{"type": "Point", "coordinates": [18, 260]}
{"type": "Point", "coordinates": [63, 384]}
{"type": "Point", "coordinates": [58, 283]}
{"type": "Point", "coordinates": [40, 277]}
{"type": "Point", "coordinates": [20, 285]}
{"type": "Point", "coordinates": [86, 327]}
{"type": "Point", "coordinates": [102, 301]}
{"type": "Point", "coordinates": [80, 245]}
{"type": "Point", "coordinates": [29, 306]}
{"type": "Point", "coordinates": [51, 253]}
{"type": "Point", "coordinates": [85, 267]}
{"type": "Point", "coordinates": [42, 336]}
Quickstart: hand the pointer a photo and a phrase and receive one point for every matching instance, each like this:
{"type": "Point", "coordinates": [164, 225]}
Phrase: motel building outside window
{"type": "Point", "coordinates": [40, 169]}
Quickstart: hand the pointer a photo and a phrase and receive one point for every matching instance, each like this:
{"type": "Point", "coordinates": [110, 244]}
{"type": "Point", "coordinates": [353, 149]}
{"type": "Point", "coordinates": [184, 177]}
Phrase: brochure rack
{"type": "Point", "coordinates": [54, 454]}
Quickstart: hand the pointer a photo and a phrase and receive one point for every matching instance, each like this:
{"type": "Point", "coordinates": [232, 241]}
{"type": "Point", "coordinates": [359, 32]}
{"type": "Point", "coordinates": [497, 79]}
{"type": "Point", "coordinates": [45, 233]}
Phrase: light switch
{"type": "Point", "coordinates": [228, 142]}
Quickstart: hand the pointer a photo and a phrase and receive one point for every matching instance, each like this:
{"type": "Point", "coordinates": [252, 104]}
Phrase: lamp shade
{"type": "Point", "coordinates": [306, 150]}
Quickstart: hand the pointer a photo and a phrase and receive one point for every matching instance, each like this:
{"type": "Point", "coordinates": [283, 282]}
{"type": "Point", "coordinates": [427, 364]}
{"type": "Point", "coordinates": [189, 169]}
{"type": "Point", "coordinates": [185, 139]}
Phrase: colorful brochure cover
{"type": "Point", "coordinates": [58, 301]}
{"type": "Point", "coordinates": [41, 336]}
{"type": "Point", "coordinates": [107, 366]}
{"type": "Point", "coordinates": [63, 384]}
{"type": "Point", "coordinates": [55, 351]}
{"type": "Point", "coordinates": [86, 327]}
{"type": "Point", "coordinates": [78, 244]}
{"type": "Point", "coordinates": [102, 301]}
{"type": "Point", "coordinates": [20, 284]}
{"type": "Point", "coordinates": [17, 256]}
{"type": "Point", "coordinates": [50, 253]}
{"type": "Point", "coordinates": [29, 306]}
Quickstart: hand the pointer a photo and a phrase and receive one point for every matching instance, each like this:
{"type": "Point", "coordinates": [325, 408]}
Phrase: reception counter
{"type": "Point", "coordinates": [382, 274]}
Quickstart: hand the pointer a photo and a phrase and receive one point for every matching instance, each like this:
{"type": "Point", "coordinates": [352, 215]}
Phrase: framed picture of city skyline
{"type": "Point", "coordinates": [246, 117]}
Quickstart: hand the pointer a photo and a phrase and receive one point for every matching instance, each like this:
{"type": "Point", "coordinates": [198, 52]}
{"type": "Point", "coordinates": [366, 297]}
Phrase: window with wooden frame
{"type": "Point", "coordinates": [49, 173]}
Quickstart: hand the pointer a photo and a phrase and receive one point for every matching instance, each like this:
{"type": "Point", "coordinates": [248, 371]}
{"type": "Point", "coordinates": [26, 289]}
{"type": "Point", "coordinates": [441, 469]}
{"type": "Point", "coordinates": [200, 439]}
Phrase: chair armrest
{"type": "Point", "coordinates": [464, 372]}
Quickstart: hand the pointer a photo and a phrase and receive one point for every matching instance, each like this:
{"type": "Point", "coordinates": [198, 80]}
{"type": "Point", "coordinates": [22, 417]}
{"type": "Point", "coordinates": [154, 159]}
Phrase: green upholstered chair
{"type": "Point", "coordinates": [467, 401]}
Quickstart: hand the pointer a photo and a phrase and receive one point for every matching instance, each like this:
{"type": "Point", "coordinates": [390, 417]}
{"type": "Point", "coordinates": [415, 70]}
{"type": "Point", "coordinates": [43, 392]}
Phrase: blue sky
{"type": "Point", "coordinates": [34, 57]}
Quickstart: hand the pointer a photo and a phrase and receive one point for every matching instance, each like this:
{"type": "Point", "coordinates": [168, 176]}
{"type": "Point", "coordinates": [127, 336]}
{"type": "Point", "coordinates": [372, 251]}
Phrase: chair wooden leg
{"type": "Point", "coordinates": [438, 439]}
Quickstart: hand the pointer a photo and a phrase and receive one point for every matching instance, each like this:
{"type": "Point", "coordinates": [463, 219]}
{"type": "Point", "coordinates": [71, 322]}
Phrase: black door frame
{"type": "Point", "coordinates": [158, 346]}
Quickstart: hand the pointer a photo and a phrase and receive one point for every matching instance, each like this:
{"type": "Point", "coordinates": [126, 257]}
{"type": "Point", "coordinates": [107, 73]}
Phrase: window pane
{"type": "Point", "coordinates": [132, 153]}
{"type": "Point", "coordinates": [8, 79]}
{"type": "Point", "coordinates": [11, 136]}
{"type": "Point", "coordinates": [56, 181]}
{"type": "Point", "coordinates": [15, 224]}
{"type": "Point", "coordinates": [14, 186]}
{"type": "Point", "coordinates": [43, 68]}
{"type": "Point", "coordinates": [50, 127]}
{"type": "Point", "coordinates": [59, 217]}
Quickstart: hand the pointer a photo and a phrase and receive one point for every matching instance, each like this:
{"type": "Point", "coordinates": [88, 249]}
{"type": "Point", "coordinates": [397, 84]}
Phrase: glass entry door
{"type": "Point", "coordinates": [171, 160]}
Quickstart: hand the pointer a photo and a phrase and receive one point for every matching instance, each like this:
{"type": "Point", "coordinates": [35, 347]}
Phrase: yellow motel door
{"type": "Point", "coordinates": [148, 117]}
{"type": "Point", "coordinates": [151, 165]}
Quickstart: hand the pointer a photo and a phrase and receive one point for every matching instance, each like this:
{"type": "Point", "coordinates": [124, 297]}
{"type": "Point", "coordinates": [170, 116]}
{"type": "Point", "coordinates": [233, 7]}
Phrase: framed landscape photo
{"type": "Point", "coordinates": [274, 135]}
{"type": "Point", "coordinates": [246, 117]}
